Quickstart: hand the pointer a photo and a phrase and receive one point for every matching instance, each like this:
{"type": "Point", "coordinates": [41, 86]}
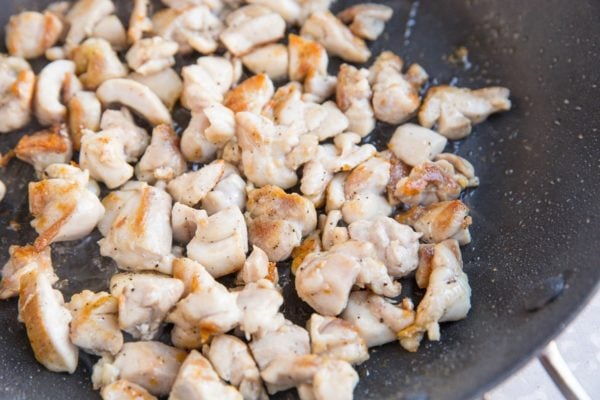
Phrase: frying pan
{"type": "Point", "coordinates": [533, 262]}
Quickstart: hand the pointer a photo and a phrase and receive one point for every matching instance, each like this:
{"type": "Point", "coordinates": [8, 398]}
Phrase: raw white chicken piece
{"type": "Point", "coordinates": [94, 327]}
{"type": "Point", "coordinates": [336, 338]}
{"type": "Point", "coordinates": [29, 34]}
{"type": "Point", "coordinates": [144, 301]}
{"type": "Point", "coordinates": [139, 23]}
{"type": "Point", "coordinates": [151, 365]}
{"type": "Point", "coordinates": [111, 29]}
{"type": "Point", "coordinates": [22, 260]}
{"type": "Point", "coordinates": [250, 95]}
{"type": "Point", "coordinates": [206, 82]}
{"type": "Point", "coordinates": [45, 147]}
{"type": "Point", "coordinates": [230, 191]}
{"type": "Point", "coordinates": [17, 82]}
{"type": "Point", "coordinates": [184, 221]}
{"type": "Point", "coordinates": [151, 55]}
{"type": "Point", "coordinates": [233, 362]}
{"type": "Point", "coordinates": [198, 380]}
{"type": "Point", "coordinates": [277, 221]}
{"type": "Point", "coordinates": [162, 160]}
{"type": "Point", "coordinates": [448, 296]}
{"type": "Point", "coordinates": [366, 20]}
{"type": "Point", "coordinates": [259, 304]}
{"type": "Point", "coordinates": [42, 310]}
{"type": "Point", "coordinates": [256, 267]}
{"type": "Point", "coordinates": [305, 57]}
{"type": "Point", "coordinates": [56, 80]}
{"type": "Point", "coordinates": [414, 144]}
{"type": "Point", "coordinates": [353, 96]}
{"type": "Point", "coordinates": [271, 59]}
{"type": "Point", "coordinates": [96, 62]}
{"type": "Point", "coordinates": [191, 187]}
{"type": "Point", "coordinates": [137, 228]}
{"type": "Point", "coordinates": [63, 209]}
{"type": "Point", "coordinates": [286, 342]}
{"type": "Point", "coordinates": [167, 85]}
{"type": "Point", "coordinates": [84, 112]}
{"type": "Point", "coordinates": [325, 28]}
{"type": "Point", "coordinates": [452, 111]}
{"type": "Point", "coordinates": [124, 390]}
{"type": "Point", "coordinates": [83, 17]}
{"type": "Point", "coordinates": [221, 242]}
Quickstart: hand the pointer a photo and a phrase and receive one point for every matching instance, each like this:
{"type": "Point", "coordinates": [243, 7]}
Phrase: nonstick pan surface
{"type": "Point", "coordinates": [534, 260]}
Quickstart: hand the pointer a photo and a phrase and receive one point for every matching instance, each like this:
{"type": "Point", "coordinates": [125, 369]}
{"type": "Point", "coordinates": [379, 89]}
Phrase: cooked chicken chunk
{"type": "Point", "coordinates": [29, 34]}
{"type": "Point", "coordinates": [123, 119]}
{"type": "Point", "coordinates": [152, 365]}
{"type": "Point", "coordinates": [306, 57]}
{"type": "Point", "coordinates": [191, 187]}
{"type": "Point", "coordinates": [221, 242]}
{"type": "Point", "coordinates": [17, 82]}
{"type": "Point", "coordinates": [259, 303]}
{"type": "Point", "coordinates": [463, 168]}
{"type": "Point", "coordinates": [195, 147]}
{"type": "Point", "coordinates": [111, 29]}
{"type": "Point", "coordinates": [233, 362]}
{"type": "Point", "coordinates": [56, 80]}
{"type": "Point", "coordinates": [46, 147]}
{"type": "Point", "coordinates": [83, 17]}
{"type": "Point", "coordinates": [367, 20]}
{"type": "Point", "coordinates": [206, 82]}
{"type": "Point", "coordinates": [185, 221]}
{"type": "Point", "coordinates": [325, 28]}
{"type": "Point", "coordinates": [229, 191]}
{"type": "Point", "coordinates": [139, 23]}
{"type": "Point", "coordinates": [324, 120]}
{"type": "Point", "coordinates": [96, 62]}
{"type": "Point", "coordinates": [353, 95]}
{"type": "Point", "coordinates": [277, 221]}
{"type": "Point", "coordinates": [209, 308]}
{"type": "Point", "coordinates": [151, 55]}
{"type": "Point", "coordinates": [312, 244]}
{"type": "Point", "coordinates": [448, 296]}
{"type": "Point", "coordinates": [22, 260]}
{"type": "Point", "coordinates": [73, 173]}
{"type": "Point", "coordinates": [256, 267]}
{"type": "Point", "coordinates": [336, 338]}
{"type": "Point", "coordinates": [198, 380]}
{"type": "Point", "coordinates": [42, 310]}
{"type": "Point", "coordinates": [332, 233]}
{"type": "Point", "coordinates": [271, 59]}
{"type": "Point", "coordinates": [137, 230]}
{"type": "Point", "coordinates": [452, 111]}
{"type": "Point", "coordinates": [166, 84]}
{"type": "Point", "coordinates": [286, 342]}
{"type": "Point", "coordinates": [250, 95]}
{"type": "Point", "coordinates": [124, 390]}
{"type": "Point", "coordinates": [94, 327]}
{"type": "Point", "coordinates": [414, 144]}
{"type": "Point", "coordinates": [162, 160]}
{"type": "Point", "coordinates": [397, 245]}
{"type": "Point", "coordinates": [84, 112]}
{"type": "Point", "coordinates": [63, 209]}
{"type": "Point", "coordinates": [286, 373]}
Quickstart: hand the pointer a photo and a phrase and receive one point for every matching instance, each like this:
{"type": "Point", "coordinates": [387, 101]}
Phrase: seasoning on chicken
{"type": "Point", "coordinates": [288, 341]}
{"type": "Point", "coordinates": [29, 34]}
{"type": "Point", "coordinates": [162, 160]}
{"type": "Point", "coordinates": [151, 55]}
{"type": "Point", "coordinates": [84, 112]}
{"type": "Point", "coordinates": [96, 62]}
{"type": "Point", "coordinates": [336, 338]}
{"type": "Point", "coordinates": [271, 59]}
{"type": "Point", "coordinates": [55, 82]}
{"type": "Point", "coordinates": [256, 267]}
{"type": "Point", "coordinates": [250, 95]}
{"type": "Point", "coordinates": [207, 81]}
{"type": "Point", "coordinates": [366, 20]}
{"type": "Point", "coordinates": [191, 187]}
{"type": "Point", "coordinates": [452, 111]}
{"type": "Point", "coordinates": [166, 84]}
{"type": "Point", "coordinates": [83, 17]}
{"type": "Point", "coordinates": [125, 390]}
{"type": "Point", "coordinates": [306, 57]}
{"type": "Point", "coordinates": [139, 23]}
{"type": "Point", "coordinates": [259, 303]}
{"type": "Point", "coordinates": [414, 145]}
{"type": "Point", "coordinates": [17, 82]}
{"type": "Point", "coordinates": [185, 221]}
{"type": "Point", "coordinates": [94, 327]}
{"type": "Point", "coordinates": [46, 147]}
{"type": "Point", "coordinates": [22, 260]}
{"type": "Point", "coordinates": [353, 96]}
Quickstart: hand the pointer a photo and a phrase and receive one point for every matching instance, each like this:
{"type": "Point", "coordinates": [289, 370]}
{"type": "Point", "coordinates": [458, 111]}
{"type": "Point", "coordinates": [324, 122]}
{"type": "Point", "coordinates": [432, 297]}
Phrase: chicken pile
{"type": "Point", "coordinates": [272, 167]}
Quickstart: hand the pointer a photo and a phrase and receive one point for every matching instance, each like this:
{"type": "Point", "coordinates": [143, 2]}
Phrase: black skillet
{"type": "Point", "coordinates": [534, 260]}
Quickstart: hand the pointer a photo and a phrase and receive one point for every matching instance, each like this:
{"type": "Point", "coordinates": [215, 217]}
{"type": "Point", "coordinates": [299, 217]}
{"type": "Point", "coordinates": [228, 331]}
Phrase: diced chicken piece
{"type": "Point", "coordinates": [185, 221]}
{"type": "Point", "coordinates": [334, 379]}
{"type": "Point", "coordinates": [17, 82]}
{"type": "Point", "coordinates": [24, 259]}
{"type": "Point", "coordinates": [195, 147]}
{"type": "Point", "coordinates": [221, 242]}
{"type": "Point", "coordinates": [151, 365]}
{"type": "Point", "coordinates": [325, 28]}
{"type": "Point", "coordinates": [46, 147]}
{"type": "Point", "coordinates": [29, 34]}
{"type": "Point", "coordinates": [377, 319]}
{"type": "Point", "coordinates": [96, 62]}
{"type": "Point", "coordinates": [55, 53]}
{"type": "Point", "coordinates": [162, 160]}
{"type": "Point", "coordinates": [367, 20]}
{"type": "Point", "coordinates": [137, 228]}
{"type": "Point", "coordinates": [123, 119]}
{"type": "Point", "coordinates": [193, 28]}
{"type": "Point", "coordinates": [256, 267]}
{"type": "Point", "coordinates": [318, 88]}
{"type": "Point", "coordinates": [353, 95]}
{"type": "Point", "coordinates": [286, 373]}
{"type": "Point", "coordinates": [215, 5]}
{"type": "Point", "coordinates": [397, 245]}
{"type": "Point", "coordinates": [452, 111]}
{"type": "Point", "coordinates": [277, 221]}
{"type": "Point", "coordinates": [230, 191]}
{"type": "Point", "coordinates": [426, 252]}
{"type": "Point", "coordinates": [111, 29]}
{"type": "Point", "coordinates": [83, 17]}
{"type": "Point", "coordinates": [191, 187]}
{"type": "Point", "coordinates": [42, 310]}
{"type": "Point", "coordinates": [440, 221]}
{"type": "Point", "coordinates": [271, 59]}
{"type": "Point", "coordinates": [144, 301]}
{"type": "Point", "coordinates": [167, 85]}
{"type": "Point", "coordinates": [290, 10]}
{"type": "Point", "coordinates": [63, 209]}
{"type": "Point", "coordinates": [84, 112]}
{"type": "Point", "coordinates": [94, 327]}
{"type": "Point", "coordinates": [259, 303]}
{"type": "Point", "coordinates": [206, 82]}
{"type": "Point", "coordinates": [209, 309]}
{"type": "Point", "coordinates": [395, 95]}
{"type": "Point", "coordinates": [221, 121]}
{"type": "Point", "coordinates": [251, 26]}
{"type": "Point", "coordinates": [285, 105]}
{"type": "Point", "coordinates": [233, 362]}
{"type": "Point", "coordinates": [336, 338]}
{"type": "Point", "coordinates": [250, 95]}
{"type": "Point", "coordinates": [335, 192]}
{"type": "Point", "coordinates": [324, 120]}
{"type": "Point", "coordinates": [73, 173]}
{"type": "Point", "coordinates": [332, 233]}
{"type": "Point", "coordinates": [398, 170]}
{"type": "Point", "coordinates": [139, 23]}
{"type": "Point", "coordinates": [124, 390]}
{"type": "Point", "coordinates": [414, 144]}
{"type": "Point", "coordinates": [463, 168]}
{"type": "Point", "coordinates": [306, 57]}
{"type": "Point", "coordinates": [136, 96]}
{"type": "Point", "coordinates": [198, 380]}
{"type": "Point", "coordinates": [448, 296]}
{"type": "Point", "coordinates": [286, 342]}
{"type": "Point", "coordinates": [151, 55]}
{"type": "Point", "coordinates": [312, 244]}
{"type": "Point", "coordinates": [56, 80]}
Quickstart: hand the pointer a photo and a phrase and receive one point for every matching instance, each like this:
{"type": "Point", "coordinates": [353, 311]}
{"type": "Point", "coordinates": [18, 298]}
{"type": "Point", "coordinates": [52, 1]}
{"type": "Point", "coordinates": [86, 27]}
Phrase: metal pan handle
{"type": "Point", "coordinates": [559, 371]}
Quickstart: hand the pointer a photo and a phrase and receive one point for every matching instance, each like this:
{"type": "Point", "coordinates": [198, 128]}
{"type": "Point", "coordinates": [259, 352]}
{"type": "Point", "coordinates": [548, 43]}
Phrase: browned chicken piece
{"type": "Point", "coordinates": [42, 310]}
{"type": "Point", "coordinates": [452, 111]}
{"type": "Point", "coordinates": [336, 338]}
{"type": "Point", "coordinates": [96, 62]}
{"type": "Point", "coordinates": [250, 95]}
{"type": "Point", "coordinates": [463, 168]}
{"type": "Point", "coordinates": [271, 59]}
{"type": "Point", "coordinates": [306, 57]}
{"type": "Point", "coordinates": [353, 96]}
{"type": "Point", "coordinates": [325, 28]}
{"type": "Point", "coordinates": [46, 147]}
{"type": "Point", "coordinates": [139, 23]}
{"type": "Point", "coordinates": [83, 17]}
{"type": "Point", "coordinates": [17, 82]}
{"type": "Point", "coordinates": [29, 34]}
{"type": "Point", "coordinates": [125, 390]}
{"type": "Point", "coordinates": [311, 244]}
{"type": "Point", "coordinates": [426, 252]}
{"type": "Point", "coordinates": [56, 82]}
{"type": "Point", "coordinates": [151, 55]}
{"type": "Point", "coordinates": [84, 112]}
{"type": "Point", "coordinates": [366, 20]}
{"type": "Point", "coordinates": [22, 260]}
{"type": "Point", "coordinates": [94, 327]}
{"type": "Point", "coordinates": [277, 221]}
{"type": "Point", "coordinates": [162, 160]}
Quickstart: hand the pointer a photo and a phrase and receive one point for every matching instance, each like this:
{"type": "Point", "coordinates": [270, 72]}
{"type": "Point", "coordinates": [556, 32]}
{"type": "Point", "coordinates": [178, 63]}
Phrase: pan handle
{"type": "Point", "coordinates": [559, 371]}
